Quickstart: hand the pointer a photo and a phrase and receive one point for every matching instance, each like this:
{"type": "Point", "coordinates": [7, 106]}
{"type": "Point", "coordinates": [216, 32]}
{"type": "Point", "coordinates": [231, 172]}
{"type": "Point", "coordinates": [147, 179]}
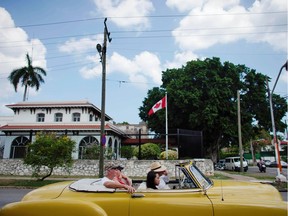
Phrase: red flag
{"type": "Point", "coordinates": [159, 105]}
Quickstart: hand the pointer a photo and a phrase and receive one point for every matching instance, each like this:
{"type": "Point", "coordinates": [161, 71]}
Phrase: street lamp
{"type": "Point", "coordinates": [279, 176]}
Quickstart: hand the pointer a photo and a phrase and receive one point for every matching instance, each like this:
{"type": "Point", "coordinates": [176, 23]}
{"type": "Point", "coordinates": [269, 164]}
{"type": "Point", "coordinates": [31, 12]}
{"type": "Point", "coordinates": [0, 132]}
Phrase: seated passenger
{"type": "Point", "coordinates": [163, 174]}
{"type": "Point", "coordinates": [152, 180]}
{"type": "Point", "coordinates": [121, 178]}
{"type": "Point", "coordinates": [109, 179]}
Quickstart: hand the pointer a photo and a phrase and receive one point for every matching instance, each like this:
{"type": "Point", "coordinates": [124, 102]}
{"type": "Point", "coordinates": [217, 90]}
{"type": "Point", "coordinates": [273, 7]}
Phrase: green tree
{"type": "Point", "coordinates": [149, 151]}
{"type": "Point", "coordinates": [49, 151]}
{"type": "Point", "coordinates": [28, 76]}
{"type": "Point", "coordinates": [126, 152]}
{"type": "Point", "coordinates": [202, 95]}
{"type": "Point", "coordinates": [92, 152]}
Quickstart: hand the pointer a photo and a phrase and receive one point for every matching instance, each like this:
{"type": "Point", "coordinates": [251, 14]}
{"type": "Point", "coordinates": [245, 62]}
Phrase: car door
{"type": "Point", "coordinates": [170, 203]}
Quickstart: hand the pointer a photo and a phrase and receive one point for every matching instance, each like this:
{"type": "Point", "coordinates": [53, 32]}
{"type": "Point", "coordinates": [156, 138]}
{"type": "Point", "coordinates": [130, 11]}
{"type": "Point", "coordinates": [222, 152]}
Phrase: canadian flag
{"type": "Point", "coordinates": [159, 105]}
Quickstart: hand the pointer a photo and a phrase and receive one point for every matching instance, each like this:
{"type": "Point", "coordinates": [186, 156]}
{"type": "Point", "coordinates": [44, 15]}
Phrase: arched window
{"type": "Point", "coordinates": [88, 148]}
{"type": "Point", "coordinates": [115, 149]}
{"type": "Point", "coordinates": [110, 143]}
{"type": "Point", "coordinates": [18, 147]}
{"type": "Point", "coordinates": [58, 117]}
{"type": "Point", "coordinates": [40, 117]}
{"type": "Point", "coordinates": [76, 117]}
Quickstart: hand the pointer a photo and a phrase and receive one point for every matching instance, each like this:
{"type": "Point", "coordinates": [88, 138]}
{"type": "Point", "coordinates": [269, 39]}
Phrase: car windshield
{"type": "Point", "coordinates": [201, 178]}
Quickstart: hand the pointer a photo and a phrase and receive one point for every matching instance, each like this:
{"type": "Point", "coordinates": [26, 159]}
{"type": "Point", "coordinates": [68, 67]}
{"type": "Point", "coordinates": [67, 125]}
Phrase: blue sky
{"type": "Point", "coordinates": [147, 38]}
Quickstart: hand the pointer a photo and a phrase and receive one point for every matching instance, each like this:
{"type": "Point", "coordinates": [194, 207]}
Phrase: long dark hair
{"type": "Point", "coordinates": [150, 183]}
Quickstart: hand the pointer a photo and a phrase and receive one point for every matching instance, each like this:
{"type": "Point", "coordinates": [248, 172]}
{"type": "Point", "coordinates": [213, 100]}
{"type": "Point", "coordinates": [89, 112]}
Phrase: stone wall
{"type": "Point", "coordinates": [133, 168]}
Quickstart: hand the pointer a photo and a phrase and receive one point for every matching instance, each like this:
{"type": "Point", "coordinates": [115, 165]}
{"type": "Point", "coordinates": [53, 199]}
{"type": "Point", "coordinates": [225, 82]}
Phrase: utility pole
{"type": "Point", "coordinates": [279, 176]}
{"type": "Point", "coordinates": [102, 53]}
{"type": "Point", "coordinates": [239, 132]}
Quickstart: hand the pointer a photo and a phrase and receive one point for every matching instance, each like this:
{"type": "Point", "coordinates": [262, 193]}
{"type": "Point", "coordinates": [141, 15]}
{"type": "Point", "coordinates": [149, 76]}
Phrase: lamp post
{"type": "Point", "coordinates": [102, 53]}
{"type": "Point", "coordinates": [279, 176]}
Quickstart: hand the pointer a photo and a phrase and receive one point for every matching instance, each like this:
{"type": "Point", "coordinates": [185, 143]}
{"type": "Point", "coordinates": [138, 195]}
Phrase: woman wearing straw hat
{"type": "Point", "coordinates": [162, 171]}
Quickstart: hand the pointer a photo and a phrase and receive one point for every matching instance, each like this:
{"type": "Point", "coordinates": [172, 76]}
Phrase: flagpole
{"type": "Point", "coordinates": [166, 117]}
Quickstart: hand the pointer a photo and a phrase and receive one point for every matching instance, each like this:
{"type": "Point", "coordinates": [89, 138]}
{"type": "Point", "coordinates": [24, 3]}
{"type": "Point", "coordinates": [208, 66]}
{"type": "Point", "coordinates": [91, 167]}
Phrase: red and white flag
{"type": "Point", "coordinates": [159, 105]}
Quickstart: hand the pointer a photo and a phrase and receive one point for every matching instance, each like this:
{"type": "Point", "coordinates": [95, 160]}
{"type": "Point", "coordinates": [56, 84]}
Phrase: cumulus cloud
{"type": "Point", "coordinates": [15, 44]}
{"type": "Point", "coordinates": [221, 22]}
{"type": "Point", "coordinates": [80, 45]}
{"type": "Point", "coordinates": [180, 59]}
{"type": "Point", "coordinates": [184, 5]}
{"type": "Point", "coordinates": [141, 68]}
{"type": "Point", "coordinates": [135, 9]}
{"type": "Point", "coordinates": [144, 66]}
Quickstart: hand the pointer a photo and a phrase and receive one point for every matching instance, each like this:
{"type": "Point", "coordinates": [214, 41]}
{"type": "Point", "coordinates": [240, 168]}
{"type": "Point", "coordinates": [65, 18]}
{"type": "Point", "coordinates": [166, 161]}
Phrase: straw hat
{"type": "Point", "coordinates": [157, 167]}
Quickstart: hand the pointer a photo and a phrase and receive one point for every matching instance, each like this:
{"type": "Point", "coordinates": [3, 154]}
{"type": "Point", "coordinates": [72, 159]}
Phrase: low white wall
{"type": "Point", "coordinates": [133, 168]}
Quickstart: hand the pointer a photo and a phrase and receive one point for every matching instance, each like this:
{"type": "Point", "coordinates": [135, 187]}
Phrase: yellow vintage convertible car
{"type": "Point", "coordinates": [191, 193]}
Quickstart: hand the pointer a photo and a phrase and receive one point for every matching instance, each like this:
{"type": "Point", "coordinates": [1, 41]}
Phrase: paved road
{"type": "Point", "coordinates": [270, 171]}
{"type": "Point", "coordinates": [9, 195]}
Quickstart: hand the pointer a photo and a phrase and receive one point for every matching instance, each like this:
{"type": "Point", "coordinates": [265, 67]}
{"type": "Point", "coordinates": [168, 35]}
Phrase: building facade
{"type": "Point", "coordinates": [80, 120]}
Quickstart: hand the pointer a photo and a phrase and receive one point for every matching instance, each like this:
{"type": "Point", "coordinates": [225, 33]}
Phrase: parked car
{"type": "Point", "coordinates": [233, 163]}
{"type": "Point", "coordinates": [267, 162]}
{"type": "Point", "coordinates": [193, 194]}
{"type": "Point", "coordinates": [220, 165]}
{"type": "Point", "coordinates": [275, 164]}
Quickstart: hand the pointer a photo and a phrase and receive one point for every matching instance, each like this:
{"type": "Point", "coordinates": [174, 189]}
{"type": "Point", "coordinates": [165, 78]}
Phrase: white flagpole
{"type": "Point", "coordinates": [166, 117]}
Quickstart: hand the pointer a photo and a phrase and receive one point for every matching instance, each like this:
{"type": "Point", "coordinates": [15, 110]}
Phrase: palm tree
{"type": "Point", "coordinates": [29, 76]}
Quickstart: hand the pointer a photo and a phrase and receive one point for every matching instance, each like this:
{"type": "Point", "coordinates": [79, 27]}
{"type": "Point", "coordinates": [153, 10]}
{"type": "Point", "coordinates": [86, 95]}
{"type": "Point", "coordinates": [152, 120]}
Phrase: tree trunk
{"type": "Point", "coordinates": [49, 174]}
{"type": "Point", "coordinates": [25, 92]}
{"type": "Point", "coordinates": [214, 149]}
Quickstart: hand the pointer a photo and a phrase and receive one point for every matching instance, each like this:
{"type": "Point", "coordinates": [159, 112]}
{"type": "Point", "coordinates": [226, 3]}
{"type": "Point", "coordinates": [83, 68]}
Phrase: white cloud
{"type": "Point", "coordinates": [221, 22]}
{"type": "Point", "coordinates": [143, 67]}
{"type": "Point", "coordinates": [181, 58]}
{"type": "Point", "coordinates": [90, 73]}
{"type": "Point", "coordinates": [80, 45]}
{"type": "Point", "coordinates": [137, 9]}
{"type": "Point", "coordinates": [14, 46]}
{"type": "Point", "coordinates": [184, 5]}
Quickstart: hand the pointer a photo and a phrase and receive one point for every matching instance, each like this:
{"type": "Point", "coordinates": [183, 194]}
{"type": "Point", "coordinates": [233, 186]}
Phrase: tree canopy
{"type": "Point", "coordinates": [28, 76]}
{"type": "Point", "coordinates": [202, 95]}
{"type": "Point", "coordinates": [49, 151]}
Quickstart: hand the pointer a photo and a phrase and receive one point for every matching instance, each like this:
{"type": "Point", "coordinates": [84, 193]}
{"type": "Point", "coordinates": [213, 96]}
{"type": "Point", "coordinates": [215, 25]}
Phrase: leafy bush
{"type": "Point", "coordinates": [127, 152]}
{"type": "Point", "coordinates": [172, 155]}
{"type": "Point", "coordinates": [92, 152]}
{"type": "Point", "coordinates": [50, 151]}
{"type": "Point", "coordinates": [149, 151]}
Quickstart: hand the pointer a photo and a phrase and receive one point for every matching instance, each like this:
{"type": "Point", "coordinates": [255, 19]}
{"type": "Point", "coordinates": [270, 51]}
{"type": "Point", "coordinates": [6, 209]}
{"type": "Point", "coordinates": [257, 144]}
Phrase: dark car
{"type": "Point", "coordinates": [274, 164]}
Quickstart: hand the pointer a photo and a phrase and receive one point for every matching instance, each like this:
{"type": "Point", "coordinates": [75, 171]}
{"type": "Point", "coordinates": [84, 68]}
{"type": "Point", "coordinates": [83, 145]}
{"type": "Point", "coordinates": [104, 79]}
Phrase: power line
{"type": "Point", "coordinates": [151, 16]}
{"type": "Point", "coordinates": [151, 31]}
{"type": "Point", "coordinates": [161, 36]}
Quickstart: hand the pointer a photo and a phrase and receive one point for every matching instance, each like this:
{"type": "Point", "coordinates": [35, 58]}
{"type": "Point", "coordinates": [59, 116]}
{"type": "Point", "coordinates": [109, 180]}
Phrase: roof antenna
{"type": "Point", "coordinates": [222, 192]}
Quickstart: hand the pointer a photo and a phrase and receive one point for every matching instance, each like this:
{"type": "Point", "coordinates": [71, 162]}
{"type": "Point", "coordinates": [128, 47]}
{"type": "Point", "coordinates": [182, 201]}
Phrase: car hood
{"type": "Point", "coordinates": [51, 191]}
{"type": "Point", "coordinates": [238, 191]}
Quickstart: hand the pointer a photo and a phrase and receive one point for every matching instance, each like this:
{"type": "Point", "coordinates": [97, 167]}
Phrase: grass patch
{"type": "Point", "coordinates": [219, 177]}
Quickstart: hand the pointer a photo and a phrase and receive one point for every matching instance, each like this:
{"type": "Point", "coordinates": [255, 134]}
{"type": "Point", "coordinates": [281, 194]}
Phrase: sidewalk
{"type": "Point", "coordinates": [240, 177]}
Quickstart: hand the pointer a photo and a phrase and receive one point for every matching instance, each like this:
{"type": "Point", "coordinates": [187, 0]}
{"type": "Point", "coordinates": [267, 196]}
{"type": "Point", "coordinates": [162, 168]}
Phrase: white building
{"type": "Point", "coordinates": [80, 120]}
{"type": "Point", "coordinates": [134, 129]}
